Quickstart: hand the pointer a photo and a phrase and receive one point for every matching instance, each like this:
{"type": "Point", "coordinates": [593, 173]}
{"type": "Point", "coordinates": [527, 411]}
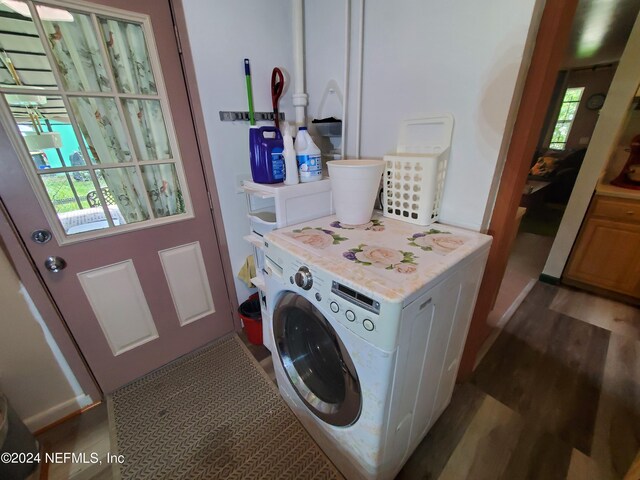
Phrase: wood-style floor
{"type": "Point", "coordinates": [557, 396]}
{"type": "Point", "coordinates": [86, 434]}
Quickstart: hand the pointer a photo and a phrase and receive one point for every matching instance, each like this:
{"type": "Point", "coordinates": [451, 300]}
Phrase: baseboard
{"type": "Point", "coordinates": [51, 415]}
{"type": "Point", "coordinates": [618, 297]}
{"type": "Point", "coordinates": [549, 279]}
{"type": "Point", "coordinates": [486, 345]}
{"type": "Point", "coordinates": [506, 316]}
{"type": "Point", "coordinates": [502, 321]}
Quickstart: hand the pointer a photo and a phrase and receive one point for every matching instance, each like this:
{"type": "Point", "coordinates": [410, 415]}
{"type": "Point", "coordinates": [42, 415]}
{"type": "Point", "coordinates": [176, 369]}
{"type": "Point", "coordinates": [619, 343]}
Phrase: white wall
{"type": "Point", "coordinates": [33, 373]}
{"type": "Point", "coordinates": [325, 55]}
{"type": "Point", "coordinates": [461, 57]}
{"type": "Point", "coordinates": [221, 35]}
{"type": "Point", "coordinates": [594, 81]}
{"type": "Point", "coordinates": [420, 57]}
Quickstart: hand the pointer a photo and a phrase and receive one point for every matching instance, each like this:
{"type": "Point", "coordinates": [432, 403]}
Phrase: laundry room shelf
{"type": "Point", "coordinates": [254, 240]}
{"type": "Point", "coordinates": [257, 244]}
{"type": "Point", "coordinates": [274, 206]}
{"type": "Point", "coordinates": [290, 204]}
{"type": "Point", "coordinates": [262, 222]}
{"type": "Point", "coordinates": [258, 281]}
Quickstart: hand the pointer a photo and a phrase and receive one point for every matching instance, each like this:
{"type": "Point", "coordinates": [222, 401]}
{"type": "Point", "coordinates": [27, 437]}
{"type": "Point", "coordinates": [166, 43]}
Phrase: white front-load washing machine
{"type": "Point", "coordinates": [367, 328]}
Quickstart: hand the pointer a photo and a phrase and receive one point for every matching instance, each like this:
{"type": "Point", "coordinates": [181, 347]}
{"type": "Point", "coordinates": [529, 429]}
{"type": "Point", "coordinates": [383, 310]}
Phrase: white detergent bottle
{"type": "Point", "coordinates": [308, 157]}
{"type": "Point", "coordinates": [290, 162]}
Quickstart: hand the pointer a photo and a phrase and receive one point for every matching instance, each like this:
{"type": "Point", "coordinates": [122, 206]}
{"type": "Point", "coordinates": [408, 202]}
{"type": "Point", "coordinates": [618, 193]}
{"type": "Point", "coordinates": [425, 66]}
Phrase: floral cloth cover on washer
{"type": "Point", "coordinates": [389, 257]}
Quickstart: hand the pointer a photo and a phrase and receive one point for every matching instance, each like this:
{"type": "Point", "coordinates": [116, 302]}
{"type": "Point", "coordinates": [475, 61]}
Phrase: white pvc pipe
{"type": "Point", "coordinates": [359, 93]}
{"type": "Point", "coordinates": [300, 98]}
{"type": "Point", "coordinates": [345, 96]}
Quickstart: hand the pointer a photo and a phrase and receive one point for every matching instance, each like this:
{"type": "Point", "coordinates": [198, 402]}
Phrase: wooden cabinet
{"type": "Point", "coordinates": [607, 252]}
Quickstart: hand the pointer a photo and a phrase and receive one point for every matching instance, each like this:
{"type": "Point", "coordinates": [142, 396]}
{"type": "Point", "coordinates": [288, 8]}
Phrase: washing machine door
{"type": "Point", "coordinates": [315, 361]}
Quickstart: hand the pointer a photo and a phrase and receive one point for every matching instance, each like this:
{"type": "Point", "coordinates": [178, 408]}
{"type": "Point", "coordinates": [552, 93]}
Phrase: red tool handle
{"type": "Point", "coordinates": [277, 86]}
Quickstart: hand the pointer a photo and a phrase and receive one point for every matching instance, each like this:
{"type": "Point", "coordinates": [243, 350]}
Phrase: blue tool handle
{"type": "Point", "coordinates": [247, 69]}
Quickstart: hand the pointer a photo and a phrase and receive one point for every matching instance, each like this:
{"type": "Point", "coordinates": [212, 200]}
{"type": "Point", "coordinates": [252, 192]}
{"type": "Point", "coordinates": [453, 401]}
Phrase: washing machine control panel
{"type": "Point", "coordinates": [361, 313]}
{"type": "Point", "coordinates": [355, 310]}
{"type": "Point", "coordinates": [355, 297]}
{"type": "Point", "coordinates": [353, 315]}
{"type": "Point", "coordinates": [303, 278]}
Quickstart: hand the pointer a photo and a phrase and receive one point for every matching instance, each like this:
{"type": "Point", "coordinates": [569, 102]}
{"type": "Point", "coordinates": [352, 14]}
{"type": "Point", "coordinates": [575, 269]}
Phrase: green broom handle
{"type": "Point", "coordinates": [247, 76]}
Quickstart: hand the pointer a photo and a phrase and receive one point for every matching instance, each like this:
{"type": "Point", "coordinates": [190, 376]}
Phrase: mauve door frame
{"type": "Point", "coordinates": [551, 40]}
{"type": "Point", "coordinates": [197, 115]}
{"type": "Point", "coordinates": [30, 278]}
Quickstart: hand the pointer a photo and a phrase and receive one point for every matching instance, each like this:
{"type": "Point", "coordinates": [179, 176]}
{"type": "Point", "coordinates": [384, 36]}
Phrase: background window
{"type": "Point", "coordinates": [566, 116]}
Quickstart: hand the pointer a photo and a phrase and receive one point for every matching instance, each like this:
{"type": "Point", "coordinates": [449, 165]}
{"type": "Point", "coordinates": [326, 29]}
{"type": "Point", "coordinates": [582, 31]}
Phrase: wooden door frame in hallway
{"type": "Point", "coordinates": [551, 40]}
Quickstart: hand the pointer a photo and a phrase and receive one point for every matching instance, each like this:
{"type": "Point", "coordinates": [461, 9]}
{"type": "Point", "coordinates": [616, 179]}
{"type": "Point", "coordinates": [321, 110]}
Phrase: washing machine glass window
{"type": "Point", "coordinates": [315, 360]}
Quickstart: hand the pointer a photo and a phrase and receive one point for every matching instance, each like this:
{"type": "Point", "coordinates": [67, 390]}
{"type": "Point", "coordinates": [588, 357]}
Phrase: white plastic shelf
{"type": "Point", "coordinates": [291, 204]}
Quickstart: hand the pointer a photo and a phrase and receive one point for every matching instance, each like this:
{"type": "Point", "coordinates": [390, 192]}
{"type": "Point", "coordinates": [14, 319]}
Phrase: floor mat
{"type": "Point", "coordinates": [211, 415]}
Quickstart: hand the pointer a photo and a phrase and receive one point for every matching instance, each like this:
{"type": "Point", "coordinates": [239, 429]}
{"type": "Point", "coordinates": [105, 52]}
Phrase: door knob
{"type": "Point", "coordinates": [55, 264]}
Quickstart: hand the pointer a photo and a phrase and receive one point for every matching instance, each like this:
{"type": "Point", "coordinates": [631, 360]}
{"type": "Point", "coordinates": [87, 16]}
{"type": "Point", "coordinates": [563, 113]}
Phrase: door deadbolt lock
{"type": "Point", "coordinates": [41, 236]}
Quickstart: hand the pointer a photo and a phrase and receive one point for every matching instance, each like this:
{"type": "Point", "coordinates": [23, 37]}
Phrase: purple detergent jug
{"type": "Point", "coordinates": [267, 162]}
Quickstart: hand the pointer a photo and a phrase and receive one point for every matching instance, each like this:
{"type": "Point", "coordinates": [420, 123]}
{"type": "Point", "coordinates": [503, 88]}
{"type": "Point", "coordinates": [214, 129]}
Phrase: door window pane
{"type": "Point", "coordinates": [23, 59]}
{"type": "Point", "coordinates": [74, 45]}
{"type": "Point", "coordinates": [100, 124]}
{"type": "Point", "coordinates": [68, 194]}
{"type": "Point", "coordinates": [47, 131]}
{"type": "Point", "coordinates": [104, 117]}
{"type": "Point", "coordinates": [128, 56]}
{"type": "Point", "coordinates": [163, 188]}
{"type": "Point", "coordinates": [121, 189]}
{"type": "Point", "coordinates": [148, 132]}
{"type": "Point", "coordinates": [68, 190]}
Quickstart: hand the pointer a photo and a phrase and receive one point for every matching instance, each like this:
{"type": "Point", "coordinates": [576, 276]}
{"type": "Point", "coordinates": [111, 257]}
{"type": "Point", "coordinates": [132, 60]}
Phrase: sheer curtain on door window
{"type": "Point", "coordinates": [80, 63]}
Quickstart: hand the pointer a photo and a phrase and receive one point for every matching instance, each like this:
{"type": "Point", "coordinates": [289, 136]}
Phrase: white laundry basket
{"type": "Point", "coordinates": [414, 176]}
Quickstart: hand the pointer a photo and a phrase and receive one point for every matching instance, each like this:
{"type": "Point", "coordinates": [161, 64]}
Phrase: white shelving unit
{"type": "Point", "coordinates": [271, 206]}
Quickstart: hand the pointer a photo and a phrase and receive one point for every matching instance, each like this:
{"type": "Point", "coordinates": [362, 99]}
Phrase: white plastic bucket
{"type": "Point", "coordinates": [355, 185]}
